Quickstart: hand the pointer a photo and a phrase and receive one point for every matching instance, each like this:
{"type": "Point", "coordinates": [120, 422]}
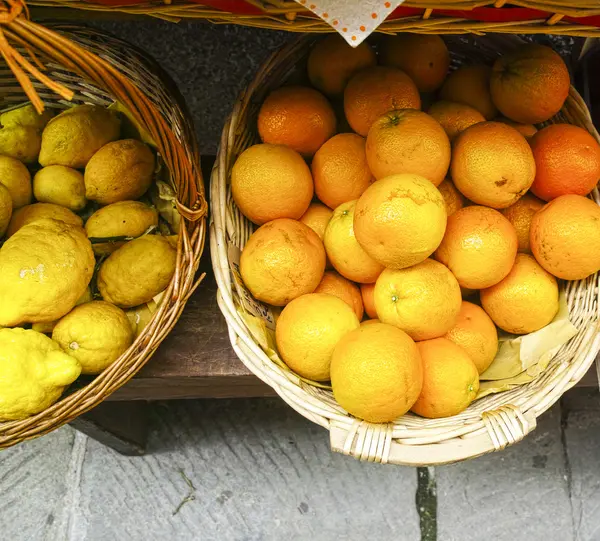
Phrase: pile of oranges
{"type": "Point", "coordinates": [370, 208]}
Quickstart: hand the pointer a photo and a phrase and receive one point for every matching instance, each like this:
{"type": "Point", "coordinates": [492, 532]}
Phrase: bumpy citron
{"type": "Point", "coordinates": [376, 372]}
{"type": "Point", "coordinates": [60, 185]}
{"type": "Point", "coordinates": [32, 213]}
{"type": "Point", "coordinates": [5, 209]}
{"type": "Point", "coordinates": [15, 177]}
{"type": "Point", "coordinates": [20, 143]}
{"type": "Point", "coordinates": [335, 284]}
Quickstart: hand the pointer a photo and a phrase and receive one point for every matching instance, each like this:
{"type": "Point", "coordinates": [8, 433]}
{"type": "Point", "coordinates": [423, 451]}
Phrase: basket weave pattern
{"type": "Point", "coordinates": [490, 423]}
{"type": "Point", "coordinates": [101, 69]}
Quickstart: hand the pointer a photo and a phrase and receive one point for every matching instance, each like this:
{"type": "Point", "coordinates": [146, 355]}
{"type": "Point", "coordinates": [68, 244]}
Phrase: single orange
{"type": "Point", "coordinates": [450, 379]}
{"type": "Point", "coordinates": [317, 217]}
{"type": "Point", "coordinates": [335, 284]}
{"type": "Point", "coordinates": [345, 253]}
{"type": "Point", "coordinates": [520, 215]}
{"type": "Point", "coordinates": [340, 170]}
{"type": "Point", "coordinates": [565, 236]}
{"type": "Point", "coordinates": [298, 117]}
{"type": "Point", "coordinates": [471, 85]}
{"type": "Point", "coordinates": [332, 62]}
{"type": "Point", "coordinates": [376, 373]}
{"type": "Point", "coordinates": [475, 332]}
{"type": "Point", "coordinates": [369, 322]}
{"type": "Point", "coordinates": [453, 199]}
{"type": "Point", "coordinates": [454, 117]}
{"type": "Point", "coordinates": [423, 300]}
{"type": "Point", "coordinates": [400, 220]}
{"type": "Point", "coordinates": [479, 247]}
{"type": "Point", "coordinates": [308, 329]}
{"type": "Point", "coordinates": [492, 164]}
{"type": "Point", "coordinates": [567, 160]}
{"type": "Point", "coordinates": [530, 84]}
{"type": "Point", "coordinates": [270, 182]}
{"type": "Point", "coordinates": [282, 260]}
{"type": "Point", "coordinates": [525, 301]}
{"type": "Point", "coordinates": [368, 296]}
{"type": "Point", "coordinates": [375, 91]}
{"type": "Point", "coordinates": [408, 141]}
{"type": "Point", "coordinates": [425, 58]}
{"type": "Point", "coordinates": [526, 130]}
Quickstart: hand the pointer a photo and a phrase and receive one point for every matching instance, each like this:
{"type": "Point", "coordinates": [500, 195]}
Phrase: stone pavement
{"type": "Point", "coordinates": [254, 470]}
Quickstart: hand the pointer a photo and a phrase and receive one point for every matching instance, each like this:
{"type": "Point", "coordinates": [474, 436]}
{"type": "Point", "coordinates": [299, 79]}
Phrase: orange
{"type": "Point", "coordinates": [369, 322]}
{"type": "Point", "coordinates": [298, 117]}
{"type": "Point", "coordinates": [471, 85]}
{"type": "Point", "coordinates": [308, 329]}
{"type": "Point", "coordinates": [344, 289]}
{"type": "Point", "coordinates": [332, 62]}
{"type": "Point", "coordinates": [269, 182]}
{"type": "Point", "coordinates": [408, 141]}
{"type": "Point", "coordinates": [479, 247]}
{"type": "Point", "coordinates": [525, 301]}
{"type": "Point", "coordinates": [454, 117]}
{"type": "Point", "coordinates": [492, 164]}
{"type": "Point", "coordinates": [526, 130]}
{"type": "Point", "coordinates": [344, 251]}
{"type": "Point", "coordinates": [567, 160]}
{"type": "Point", "coordinates": [530, 84]}
{"type": "Point", "coordinates": [375, 91]}
{"type": "Point", "coordinates": [424, 58]}
{"type": "Point", "coordinates": [368, 296]}
{"type": "Point", "coordinates": [476, 333]}
{"type": "Point", "coordinates": [376, 373]}
{"type": "Point", "coordinates": [453, 199]}
{"type": "Point", "coordinates": [520, 215]}
{"type": "Point", "coordinates": [450, 379]}
{"type": "Point", "coordinates": [565, 236]}
{"type": "Point", "coordinates": [423, 300]}
{"type": "Point", "coordinates": [340, 169]}
{"type": "Point", "coordinates": [400, 220]}
{"type": "Point", "coordinates": [317, 217]}
{"type": "Point", "coordinates": [282, 260]}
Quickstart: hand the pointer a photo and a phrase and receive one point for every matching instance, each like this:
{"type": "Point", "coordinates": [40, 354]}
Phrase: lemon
{"type": "Point", "coordinates": [32, 213]}
{"type": "Point", "coordinates": [60, 185]}
{"type": "Point", "coordinates": [48, 326]}
{"type": "Point", "coordinates": [44, 268]}
{"type": "Point", "coordinates": [137, 272]}
{"type": "Point", "coordinates": [26, 116]}
{"type": "Point", "coordinates": [16, 179]}
{"type": "Point", "coordinates": [75, 135]}
{"type": "Point", "coordinates": [95, 333]}
{"type": "Point", "coordinates": [20, 142]}
{"type": "Point", "coordinates": [139, 317]}
{"type": "Point", "coordinates": [5, 209]}
{"type": "Point", "coordinates": [122, 219]}
{"type": "Point", "coordinates": [34, 372]}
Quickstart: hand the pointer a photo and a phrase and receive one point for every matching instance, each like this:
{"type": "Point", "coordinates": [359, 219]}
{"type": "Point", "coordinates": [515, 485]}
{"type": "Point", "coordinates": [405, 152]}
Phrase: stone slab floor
{"type": "Point", "coordinates": [253, 469]}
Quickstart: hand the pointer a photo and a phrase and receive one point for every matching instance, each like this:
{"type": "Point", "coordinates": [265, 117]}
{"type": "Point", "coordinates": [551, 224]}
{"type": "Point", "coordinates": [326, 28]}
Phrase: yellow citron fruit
{"type": "Point", "coordinates": [423, 300]}
{"type": "Point", "coordinates": [138, 271]}
{"type": "Point", "coordinates": [119, 171]}
{"type": "Point", "coordinates": [453, 199]}
{"type": "Point", "coordinates": [26, 116]}
{"type": "Point", "coordinates": [344, 251]}
{"type": "Point", "coordinates": [5, 209]}
{"type": "Point", "coordinates": [38, 211]}
{"type": "Point", "coordinates": [525, 301]}
{"type": "Point", "coordinates": [400, 220]}
{"type": "Point", "coordinates": [60, 185]}
{"type": "Point", "coordinates": [15, 177]}
{"type": "Point", "coordinates": [476, 333]}
{"type": "Point", "coordinates": [122, 219]}
{"type": "Point", "coordinates": [95, 333]}
{"type": "Point", "coordinates": [34, 372]}
{"type": "Point", "coordinates": [308, 330]}
{"type": "Point", "coordinates": [450, 379]}
{"type": "Point", "coordinates": [75, 135]}
{"type": "Point", "coordinates": [139, 317]}
{"type": "Point", "coordinates": [20, 142]}
{"type": "Point", "coordinates": [376, 372]}
{"type": "Point", "coordinates": [48, 326]}
{"type": "Point", "coordinates": [520, 215]}
{"type": "Point", "coordinates": [44, 268]}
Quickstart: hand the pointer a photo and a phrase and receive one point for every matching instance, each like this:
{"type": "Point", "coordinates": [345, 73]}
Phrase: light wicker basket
{"type": "Point", "coordinates": [489, 424]}
{"type": "Point", "coordinates": [100, 69]}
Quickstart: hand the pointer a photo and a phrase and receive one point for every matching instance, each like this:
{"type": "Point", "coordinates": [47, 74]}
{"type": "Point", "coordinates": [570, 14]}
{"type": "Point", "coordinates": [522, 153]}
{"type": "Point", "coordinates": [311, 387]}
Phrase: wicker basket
{"type": "Point", "coordinates": [567, 17]}
{"type": "Point", "coordinates": [490, 423]}
{"type": "Point", "coordinates": [100, 69]}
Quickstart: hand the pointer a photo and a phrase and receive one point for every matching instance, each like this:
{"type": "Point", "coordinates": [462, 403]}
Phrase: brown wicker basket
{"type": "Point", "coordinates": [101, 69]}
{"type": "Point", "coordinates": [489, 424]}
{"type": "Point", "coordinates": [566, 17]}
